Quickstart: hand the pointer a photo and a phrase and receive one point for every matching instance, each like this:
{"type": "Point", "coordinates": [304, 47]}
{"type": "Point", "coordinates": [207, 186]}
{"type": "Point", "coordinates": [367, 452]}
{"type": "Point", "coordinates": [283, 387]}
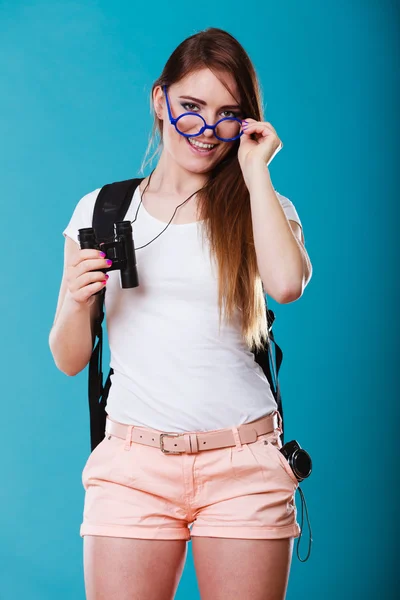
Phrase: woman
{"type": "Point", "coordinates": [200, 308]}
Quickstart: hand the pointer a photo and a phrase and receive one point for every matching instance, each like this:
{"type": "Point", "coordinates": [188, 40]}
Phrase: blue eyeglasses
{"type": "Point", "coordinates": [191, 124]}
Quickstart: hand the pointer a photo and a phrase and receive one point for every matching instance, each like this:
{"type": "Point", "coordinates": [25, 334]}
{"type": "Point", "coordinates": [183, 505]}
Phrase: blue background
{"type": "Point", "coordinates": [75, 79]}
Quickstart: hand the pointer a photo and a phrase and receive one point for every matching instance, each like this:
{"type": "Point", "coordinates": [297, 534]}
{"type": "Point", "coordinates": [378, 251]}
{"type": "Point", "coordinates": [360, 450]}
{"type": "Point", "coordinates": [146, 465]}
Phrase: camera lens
{"type": "Point", "coordinates": [302, 463]}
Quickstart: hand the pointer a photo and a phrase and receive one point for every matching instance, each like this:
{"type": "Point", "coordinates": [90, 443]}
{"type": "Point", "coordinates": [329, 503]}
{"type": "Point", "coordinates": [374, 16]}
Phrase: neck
{"type": "Point", "coordinates": [172, 179]}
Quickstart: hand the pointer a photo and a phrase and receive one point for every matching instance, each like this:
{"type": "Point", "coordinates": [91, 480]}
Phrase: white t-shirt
{"type": "Point", "coordinates": [173, 369]}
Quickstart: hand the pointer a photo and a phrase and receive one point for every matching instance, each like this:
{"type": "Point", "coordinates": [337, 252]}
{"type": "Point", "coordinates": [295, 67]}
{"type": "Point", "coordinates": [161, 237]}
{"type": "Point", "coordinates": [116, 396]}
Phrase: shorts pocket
{"type": "Point", "coordinates": [283, 462]}
{"type": "Point", "coordinates": [98, 462]}
{"type": "Point", "coordinates": [269, 444]}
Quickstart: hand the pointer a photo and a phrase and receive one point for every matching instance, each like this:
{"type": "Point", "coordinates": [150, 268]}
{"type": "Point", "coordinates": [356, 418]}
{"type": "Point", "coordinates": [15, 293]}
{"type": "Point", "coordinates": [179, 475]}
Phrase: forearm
{"type": "Point", "coordinates": [70, 339]}
{"type": "Point", "coordinates": [282, 262]}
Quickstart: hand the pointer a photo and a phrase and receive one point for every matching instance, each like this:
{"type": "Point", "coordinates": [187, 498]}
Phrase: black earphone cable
{"type": "Point", "coordinates": [169, 222]}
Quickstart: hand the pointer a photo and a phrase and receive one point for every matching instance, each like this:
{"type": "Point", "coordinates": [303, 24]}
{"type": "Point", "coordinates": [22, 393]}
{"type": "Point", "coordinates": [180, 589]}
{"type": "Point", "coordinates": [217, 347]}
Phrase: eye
{"type": "Point", "coordinates": [188, 106]}
{"type": "Point", "coordinates": [230, 113]}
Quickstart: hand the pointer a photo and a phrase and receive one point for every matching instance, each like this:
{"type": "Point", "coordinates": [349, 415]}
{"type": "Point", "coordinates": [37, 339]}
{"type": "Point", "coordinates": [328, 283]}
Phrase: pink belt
{"type": "Point", "coordinates": [191, 443]}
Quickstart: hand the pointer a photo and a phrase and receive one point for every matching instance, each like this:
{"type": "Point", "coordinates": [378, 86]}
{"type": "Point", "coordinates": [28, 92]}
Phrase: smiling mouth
{"type": "Point", "coordinates": [201, 147]}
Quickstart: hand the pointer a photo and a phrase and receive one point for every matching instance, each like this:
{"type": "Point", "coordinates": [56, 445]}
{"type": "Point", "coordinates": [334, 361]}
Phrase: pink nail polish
{"type": "Point", "coordinates": [102, 254]}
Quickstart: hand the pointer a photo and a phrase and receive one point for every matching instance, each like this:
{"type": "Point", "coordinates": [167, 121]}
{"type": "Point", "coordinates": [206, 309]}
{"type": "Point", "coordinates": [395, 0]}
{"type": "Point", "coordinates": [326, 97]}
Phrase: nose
{"type": "Point", "coordinates": [208, 133]}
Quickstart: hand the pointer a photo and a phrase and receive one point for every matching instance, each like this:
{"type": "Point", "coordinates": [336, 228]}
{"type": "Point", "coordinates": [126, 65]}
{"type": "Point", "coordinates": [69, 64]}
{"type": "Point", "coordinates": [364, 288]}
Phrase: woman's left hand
{"type": "Point", "coordinates": [260, 150]}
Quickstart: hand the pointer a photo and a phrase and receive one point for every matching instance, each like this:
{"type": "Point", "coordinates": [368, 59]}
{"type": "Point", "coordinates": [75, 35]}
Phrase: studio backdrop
{"type": "Point", "coordinates": [75, 81]}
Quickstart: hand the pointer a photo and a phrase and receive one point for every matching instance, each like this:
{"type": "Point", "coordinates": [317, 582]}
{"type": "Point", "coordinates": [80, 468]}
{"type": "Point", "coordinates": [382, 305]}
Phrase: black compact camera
{"type": "Point", "coordinates": [121, 251]}
{"type": "Point", "coordinates": [298, 459]}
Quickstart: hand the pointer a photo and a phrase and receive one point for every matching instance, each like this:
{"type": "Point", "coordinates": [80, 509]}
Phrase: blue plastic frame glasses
{"type": "Point", "coordinates": [174, 121]}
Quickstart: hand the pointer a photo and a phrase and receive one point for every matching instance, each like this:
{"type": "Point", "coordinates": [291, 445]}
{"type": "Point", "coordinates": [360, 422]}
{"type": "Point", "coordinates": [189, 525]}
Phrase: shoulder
{"type": "Point", "coordinates": [288, 207]}
{"type": "Point", "coordinates": [86, 203]}
{"type": "Point", "coordinates": [292, 215]}
{"type": "Point", "coordinates": [82, 215]}
{"type": "Point", "coordinates": [286, 203]}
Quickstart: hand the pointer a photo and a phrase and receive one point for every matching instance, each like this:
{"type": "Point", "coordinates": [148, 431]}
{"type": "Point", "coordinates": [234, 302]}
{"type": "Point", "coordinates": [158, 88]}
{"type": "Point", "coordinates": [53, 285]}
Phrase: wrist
{"type": "Point", "coordinates": [257, 175]}
{"type": "Point", "coordinates": [76, 307]}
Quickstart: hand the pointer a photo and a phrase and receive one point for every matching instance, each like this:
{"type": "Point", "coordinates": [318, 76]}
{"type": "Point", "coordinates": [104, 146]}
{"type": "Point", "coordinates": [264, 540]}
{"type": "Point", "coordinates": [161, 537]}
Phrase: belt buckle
{"type": "Point", "coordinates": [162, 436]}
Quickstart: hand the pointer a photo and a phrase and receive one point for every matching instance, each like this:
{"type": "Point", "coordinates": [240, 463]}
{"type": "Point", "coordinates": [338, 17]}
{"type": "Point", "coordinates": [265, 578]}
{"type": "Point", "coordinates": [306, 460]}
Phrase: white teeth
{"type": "Point", "coordinates": [200, 144]}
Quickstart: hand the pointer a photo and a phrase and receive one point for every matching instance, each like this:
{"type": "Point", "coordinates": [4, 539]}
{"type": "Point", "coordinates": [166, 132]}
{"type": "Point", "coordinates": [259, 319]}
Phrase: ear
{"type": "Point", "coordinates": [158, 102]}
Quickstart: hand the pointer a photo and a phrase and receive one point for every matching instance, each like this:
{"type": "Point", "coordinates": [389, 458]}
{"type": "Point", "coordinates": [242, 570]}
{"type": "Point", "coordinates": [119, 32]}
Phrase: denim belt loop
{"type": "Point", "coordinates": [236, 437]}
{"type": "Point", "coordinates": [128, 439]}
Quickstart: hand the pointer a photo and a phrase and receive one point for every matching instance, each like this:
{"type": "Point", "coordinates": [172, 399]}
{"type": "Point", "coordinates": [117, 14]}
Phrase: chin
{"type": "Point", "coordinates": [198, 165]}
{"type": "Point", "coordinates": [194, 167]}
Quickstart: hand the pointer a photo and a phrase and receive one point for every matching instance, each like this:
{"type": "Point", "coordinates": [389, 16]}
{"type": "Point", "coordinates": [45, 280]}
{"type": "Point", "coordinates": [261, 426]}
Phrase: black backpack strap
{"type": "Point", "coordinates": [111, 205]}
{"type": "Point", "coordinates": [265, 358]}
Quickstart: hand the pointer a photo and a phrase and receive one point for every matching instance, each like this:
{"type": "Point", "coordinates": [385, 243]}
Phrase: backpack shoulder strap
{"type": "Point", "coordinates": [265, 358]}
{"type": "Point", "coordinates": [111, 205]}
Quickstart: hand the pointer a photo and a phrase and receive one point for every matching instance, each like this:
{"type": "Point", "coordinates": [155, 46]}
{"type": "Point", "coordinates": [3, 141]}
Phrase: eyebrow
{"type": "Point", "coordinates": [198, 101]}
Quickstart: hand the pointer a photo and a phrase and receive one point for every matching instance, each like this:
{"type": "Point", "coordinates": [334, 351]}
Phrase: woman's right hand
{"type": "Point", "coordinates": [84, 277]}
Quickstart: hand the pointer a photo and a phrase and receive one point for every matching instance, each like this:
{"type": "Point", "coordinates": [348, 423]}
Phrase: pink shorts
{"type": "Point", "coordinates": [244, 491]}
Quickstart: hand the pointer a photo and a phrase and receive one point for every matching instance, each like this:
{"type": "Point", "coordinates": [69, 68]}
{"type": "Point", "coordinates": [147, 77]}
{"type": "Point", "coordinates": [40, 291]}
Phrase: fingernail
{"type": "Point", "coordinates": [109, 262]}
{"type": "Point", "coordinates": [102, 254]}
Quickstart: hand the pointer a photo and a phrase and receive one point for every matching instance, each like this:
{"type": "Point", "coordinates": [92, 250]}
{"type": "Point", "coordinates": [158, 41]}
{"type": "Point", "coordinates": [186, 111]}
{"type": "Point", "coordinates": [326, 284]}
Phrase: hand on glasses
{"type": "Point", "coordinates": [259, 144]}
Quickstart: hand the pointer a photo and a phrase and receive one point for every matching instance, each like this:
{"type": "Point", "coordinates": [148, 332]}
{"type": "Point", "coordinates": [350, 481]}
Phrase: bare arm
{"type": "Point", "coordinates": [72, 335]}
{"type": "Point", "coordinates": [282, 260]}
